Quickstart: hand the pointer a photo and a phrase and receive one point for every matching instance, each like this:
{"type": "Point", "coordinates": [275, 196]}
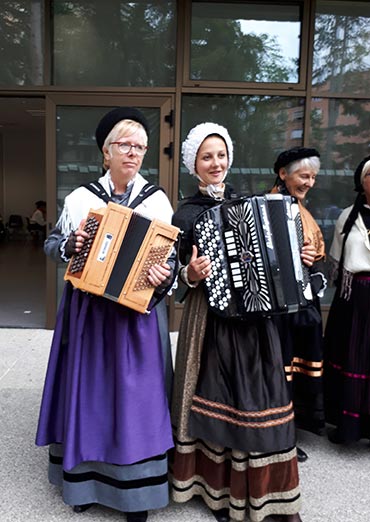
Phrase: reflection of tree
{"type": "Point", "coordinates": [342, 45]}
{"type": "Point", "coordinates": [21, 43]}
{"type": "Point", "coordinates": [317, 132]}
{"type": "Point", "coordinates": [220, 51]}
{"type": "Point", "coordinates": [115, 43]}
{"type": "Point", "coordinates": [350, 151]}
{"type": "Point", "coordinates": [342, 48]}
{"type": "Point", "coordinates": [255, 124]}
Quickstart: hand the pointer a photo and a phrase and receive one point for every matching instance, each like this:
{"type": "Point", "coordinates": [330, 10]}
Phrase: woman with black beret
{"type": "Point", "coordinates": [104, 411]}
{"type": "Point", "coordinates": [347, 335]}
{"type": "Point", "coordinates": [301, 332]}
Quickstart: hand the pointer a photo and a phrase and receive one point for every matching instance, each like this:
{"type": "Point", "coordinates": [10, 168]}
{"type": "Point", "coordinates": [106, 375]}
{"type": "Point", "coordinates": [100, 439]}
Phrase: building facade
{"type": "Point", "coordinates": [277, 74]}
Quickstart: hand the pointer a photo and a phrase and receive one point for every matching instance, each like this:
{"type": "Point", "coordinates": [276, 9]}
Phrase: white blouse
{"type": "Point", "coordinates": [357, 249]}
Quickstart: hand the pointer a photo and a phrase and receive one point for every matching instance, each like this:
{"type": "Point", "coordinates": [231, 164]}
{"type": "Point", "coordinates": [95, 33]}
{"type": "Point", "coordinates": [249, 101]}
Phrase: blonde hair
{"type": "Point", "coordinates": [122, 129]}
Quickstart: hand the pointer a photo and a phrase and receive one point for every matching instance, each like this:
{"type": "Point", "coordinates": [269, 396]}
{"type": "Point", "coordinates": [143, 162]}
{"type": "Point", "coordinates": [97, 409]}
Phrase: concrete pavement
{"type": "Point", "coordinates": [335, 480]}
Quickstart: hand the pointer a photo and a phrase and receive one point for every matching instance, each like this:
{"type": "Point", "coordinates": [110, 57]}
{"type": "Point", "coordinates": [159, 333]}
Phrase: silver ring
{"type": "Point", "coordinates": [203, 272]}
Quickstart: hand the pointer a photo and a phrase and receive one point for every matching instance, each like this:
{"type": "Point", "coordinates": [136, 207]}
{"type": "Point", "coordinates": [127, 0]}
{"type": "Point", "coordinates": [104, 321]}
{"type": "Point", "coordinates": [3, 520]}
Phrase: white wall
{"type": "Point", "coordinates": [23, 169]}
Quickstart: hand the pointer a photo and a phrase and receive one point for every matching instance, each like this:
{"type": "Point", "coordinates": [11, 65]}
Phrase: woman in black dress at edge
{"type": "Point", "coordinates": [347, 335]}
{"type": "Point", "coordinates": [301, 332]}
{"type": "Point", "coordinates": [232, 415]}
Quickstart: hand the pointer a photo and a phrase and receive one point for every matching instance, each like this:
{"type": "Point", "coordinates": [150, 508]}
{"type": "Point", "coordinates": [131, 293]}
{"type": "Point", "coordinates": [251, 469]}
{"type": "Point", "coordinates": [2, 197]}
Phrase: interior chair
{"type": "Point", "coordinates": [14, 225]}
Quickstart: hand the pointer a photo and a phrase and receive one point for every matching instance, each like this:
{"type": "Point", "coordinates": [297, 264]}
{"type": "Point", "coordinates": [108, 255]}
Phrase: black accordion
{"type": "Point", "coordinates": [254, 244]}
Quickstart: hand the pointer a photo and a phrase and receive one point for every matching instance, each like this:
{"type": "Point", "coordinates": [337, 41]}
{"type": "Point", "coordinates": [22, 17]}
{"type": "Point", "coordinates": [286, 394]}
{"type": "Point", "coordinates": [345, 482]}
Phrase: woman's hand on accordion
{"type": "Point", "coordinates": [159, 274]}
{"type": "Point", "coordinates": [199, 267]}
{"type": "Point", "coordinates": [308, 254]}
{"type": "Point", "coordinates": [76, 240]}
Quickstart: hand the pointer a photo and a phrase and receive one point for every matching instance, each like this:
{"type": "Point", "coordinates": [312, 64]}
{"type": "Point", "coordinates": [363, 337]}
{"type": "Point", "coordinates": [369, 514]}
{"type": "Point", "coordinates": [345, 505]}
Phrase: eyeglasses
{"type": "Point", "coordinates": [125, 148]}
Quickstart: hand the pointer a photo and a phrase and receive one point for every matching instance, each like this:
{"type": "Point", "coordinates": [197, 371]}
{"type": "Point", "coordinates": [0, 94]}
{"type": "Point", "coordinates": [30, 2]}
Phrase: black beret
{"type": "Point", "coordinates": [108, 121]}
{"type": "Point", "coordinates": [297, 153]}
{"type": "Point", "coordinates": [357, 175]}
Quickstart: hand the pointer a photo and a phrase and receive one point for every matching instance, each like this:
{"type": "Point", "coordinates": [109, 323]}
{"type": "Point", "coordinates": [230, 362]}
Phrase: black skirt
{"type": "Point", "coordinates": [301, 338]}
{"type": "Point", "coordinates": [242, 400]}
{"type": "Point", "coordinates": [347, 362]}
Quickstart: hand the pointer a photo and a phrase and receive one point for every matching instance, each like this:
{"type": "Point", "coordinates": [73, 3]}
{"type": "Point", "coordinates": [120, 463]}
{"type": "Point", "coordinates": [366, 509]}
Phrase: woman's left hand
{"type": "Point", "coordinates": [158, 274]}
{"type": "Point", "coordinates": [308, 254]}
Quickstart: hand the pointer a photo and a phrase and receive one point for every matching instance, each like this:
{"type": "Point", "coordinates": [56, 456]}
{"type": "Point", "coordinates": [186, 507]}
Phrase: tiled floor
{"type": "Point", "coordinates": [22, 284]}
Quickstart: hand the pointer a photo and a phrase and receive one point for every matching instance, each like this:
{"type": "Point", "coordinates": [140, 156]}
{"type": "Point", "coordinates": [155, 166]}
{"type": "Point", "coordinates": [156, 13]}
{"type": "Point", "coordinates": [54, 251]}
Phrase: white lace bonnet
{"type": "Point", "coordinates": [196, 137]}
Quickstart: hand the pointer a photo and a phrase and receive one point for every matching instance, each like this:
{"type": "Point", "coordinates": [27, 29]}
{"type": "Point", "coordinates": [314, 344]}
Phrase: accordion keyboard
{"type": "Point", "coordinates": [157, 255]}
{"type": "Point", "coordinates": [305, 270]}
{"type": "Point", "coordinates": [79, 260]}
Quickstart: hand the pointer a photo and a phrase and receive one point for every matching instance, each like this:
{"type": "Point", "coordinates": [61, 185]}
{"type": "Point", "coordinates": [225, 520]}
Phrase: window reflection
{"type": "Point", "coordinates": [260, 127]}
{"type": "Point", "coordinates": [245, 42]}
{"type": "Point", "coordinates": [21, 43]}
{"type": "Point", "coordinates": [340, 130]}
{"type": "Point", "coordinates": [115, 43]}
{"type": "Point", "coordinates": [342, 47]}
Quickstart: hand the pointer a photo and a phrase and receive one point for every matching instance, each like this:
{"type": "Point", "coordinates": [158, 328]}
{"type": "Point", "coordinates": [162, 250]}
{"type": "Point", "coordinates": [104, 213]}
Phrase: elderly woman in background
{"type": "Point", "coordinates": [235, 438]}
{"type": "Point", "coordinates": [301, 332]}
{"type": "Point", "coordinates": [347, 335]}
{"type": "Point", "coordinates": [104, 411]}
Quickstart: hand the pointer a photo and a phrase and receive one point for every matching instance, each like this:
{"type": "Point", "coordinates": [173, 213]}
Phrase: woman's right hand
{"type": "Point", "coordinates": [76, 240]}
{"type": "Point", "coordinates": [308, 253]}
{"type": "Point", "coordinates": [199, 267]}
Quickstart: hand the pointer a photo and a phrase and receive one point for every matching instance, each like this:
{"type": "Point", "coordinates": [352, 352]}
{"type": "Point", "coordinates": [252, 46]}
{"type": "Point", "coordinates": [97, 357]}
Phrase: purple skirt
{"type": "Point", "coordinates": [104, 397]}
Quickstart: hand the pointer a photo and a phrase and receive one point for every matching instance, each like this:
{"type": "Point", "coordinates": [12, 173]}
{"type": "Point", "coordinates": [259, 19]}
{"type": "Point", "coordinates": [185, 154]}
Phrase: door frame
{"type": "Point", "coordinates": [165, 103]}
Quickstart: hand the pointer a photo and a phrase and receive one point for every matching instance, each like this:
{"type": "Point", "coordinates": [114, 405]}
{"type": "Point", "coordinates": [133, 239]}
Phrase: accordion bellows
{"type": "Point", "coordinates": [121, 248]}
{"type": "Point", "coordinates": [254, 244]}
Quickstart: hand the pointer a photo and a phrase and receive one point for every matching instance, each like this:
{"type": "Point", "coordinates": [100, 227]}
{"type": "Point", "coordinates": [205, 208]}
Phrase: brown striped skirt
{"type": "Point", "coordinates": [251, 470]}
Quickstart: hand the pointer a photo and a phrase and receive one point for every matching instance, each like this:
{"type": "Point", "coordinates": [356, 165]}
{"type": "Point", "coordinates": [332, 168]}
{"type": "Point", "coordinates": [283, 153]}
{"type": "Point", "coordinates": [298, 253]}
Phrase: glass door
{"type": "Point", "coordinates": [73, 157]}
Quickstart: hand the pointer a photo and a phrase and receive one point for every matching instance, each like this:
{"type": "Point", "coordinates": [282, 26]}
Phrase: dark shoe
{"type": "Point", "coordinates": [82, 508]}
{"type": "Point", "coordinates": [301, 455]}
{"type": "Point", "coordinates": [221, 515]}
{"type": "Point", "coordinates": [137, 516]}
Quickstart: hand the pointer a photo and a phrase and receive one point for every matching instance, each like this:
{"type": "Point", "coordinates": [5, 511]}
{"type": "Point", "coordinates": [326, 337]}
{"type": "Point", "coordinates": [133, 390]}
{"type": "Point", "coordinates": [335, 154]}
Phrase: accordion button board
{"type": "Point", "coordinates": [121, 248]}
{"type": "Point", "coordinates": [254, 246]}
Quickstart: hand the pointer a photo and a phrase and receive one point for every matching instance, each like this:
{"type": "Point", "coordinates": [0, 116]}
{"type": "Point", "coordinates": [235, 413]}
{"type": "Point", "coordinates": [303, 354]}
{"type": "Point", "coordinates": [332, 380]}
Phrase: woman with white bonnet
{"type": "Point", "coordinates": [239, 452]}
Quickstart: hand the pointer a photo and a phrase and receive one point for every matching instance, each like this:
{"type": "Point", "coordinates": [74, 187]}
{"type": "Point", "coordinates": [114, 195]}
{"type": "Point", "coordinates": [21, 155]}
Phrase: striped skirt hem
{"type": "Point", "coordinates": [136, 487]}
{"type": "Point", "coordinates": [248, 484]}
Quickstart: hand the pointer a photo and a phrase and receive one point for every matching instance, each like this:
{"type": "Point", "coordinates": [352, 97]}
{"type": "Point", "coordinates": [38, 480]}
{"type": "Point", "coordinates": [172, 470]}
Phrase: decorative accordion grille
{"type": "Point", "coordinates": [256, 296]}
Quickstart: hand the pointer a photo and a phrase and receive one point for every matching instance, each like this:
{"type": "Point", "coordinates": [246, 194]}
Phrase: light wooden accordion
{"type": "Point", "coordinates": [115, 260]}
{"type": "Point", "coordinates": [254, 244]}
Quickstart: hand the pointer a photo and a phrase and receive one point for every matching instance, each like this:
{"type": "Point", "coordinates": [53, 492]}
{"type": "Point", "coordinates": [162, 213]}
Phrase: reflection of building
{"type": "Point", "coordinates": [61, 69]}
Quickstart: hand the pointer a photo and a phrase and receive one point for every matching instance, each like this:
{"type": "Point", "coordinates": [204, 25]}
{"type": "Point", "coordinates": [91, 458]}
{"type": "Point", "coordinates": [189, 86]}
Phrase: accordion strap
{"type": "Point", "coordinates": [97, 188]}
